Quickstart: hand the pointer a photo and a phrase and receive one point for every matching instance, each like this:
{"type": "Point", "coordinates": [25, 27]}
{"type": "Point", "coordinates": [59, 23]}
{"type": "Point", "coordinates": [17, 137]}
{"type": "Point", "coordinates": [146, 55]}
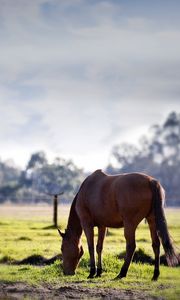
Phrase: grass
{"type": "Point", "coordinates": [26, 234]}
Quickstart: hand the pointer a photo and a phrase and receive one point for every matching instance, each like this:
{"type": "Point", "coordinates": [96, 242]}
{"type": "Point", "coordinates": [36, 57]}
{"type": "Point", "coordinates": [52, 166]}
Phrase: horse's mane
{"type": "Point", "coordinates": [74, 224]}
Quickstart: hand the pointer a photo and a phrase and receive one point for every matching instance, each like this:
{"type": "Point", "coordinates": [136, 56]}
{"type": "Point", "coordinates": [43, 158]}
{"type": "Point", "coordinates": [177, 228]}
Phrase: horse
{"type": "Point", "coordinates": [116, 201]}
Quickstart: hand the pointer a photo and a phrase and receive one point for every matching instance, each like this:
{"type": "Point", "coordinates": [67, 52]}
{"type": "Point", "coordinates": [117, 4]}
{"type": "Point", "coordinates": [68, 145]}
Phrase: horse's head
{"type": "Point", "coordinates": [71, 253]}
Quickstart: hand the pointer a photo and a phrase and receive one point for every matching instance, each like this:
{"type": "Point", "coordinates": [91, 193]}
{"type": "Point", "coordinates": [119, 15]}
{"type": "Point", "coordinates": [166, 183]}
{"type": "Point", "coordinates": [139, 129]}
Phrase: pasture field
{"type": "Point", "coordinates": [26, 231]}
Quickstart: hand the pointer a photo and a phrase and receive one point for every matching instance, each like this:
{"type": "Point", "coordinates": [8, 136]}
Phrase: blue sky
{"type": "Point", "coordinates": [78, 77]}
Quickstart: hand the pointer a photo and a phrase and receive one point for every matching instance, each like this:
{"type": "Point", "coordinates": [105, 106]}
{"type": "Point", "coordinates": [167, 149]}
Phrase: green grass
{"type": "Point", "coordinates": [21, 237]}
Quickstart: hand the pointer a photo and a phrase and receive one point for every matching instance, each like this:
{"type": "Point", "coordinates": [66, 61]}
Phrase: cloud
{"type": "Point", "coordinates": [78, 76]}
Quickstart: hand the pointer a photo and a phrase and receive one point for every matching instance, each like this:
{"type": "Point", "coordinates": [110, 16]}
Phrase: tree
{"type": "Point", "coordinates": [9, 181]}
{"type": "Point", "coordinates": [38, 179]}
{"type": "Point", "coordinates": [61, 175]}
{"type": "Point", "coordinates": [37, 160]}
{"type": "Point", "coordinates": [158, 154]}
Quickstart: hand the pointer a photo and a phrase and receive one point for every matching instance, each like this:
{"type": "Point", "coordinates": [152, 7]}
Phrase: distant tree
{"type": "Point", "coordinates": [9, 181]}
{"type": "Point", "coordinates": [38, 179]}
{"type": "Point", "coordinates": [59, 176]}
{"type": "Point", "coordinates": [125, 154]}
{"type": "Point", "coordinates": [158, 154]}
{"type": "Point", "coordinates": [37, 160]}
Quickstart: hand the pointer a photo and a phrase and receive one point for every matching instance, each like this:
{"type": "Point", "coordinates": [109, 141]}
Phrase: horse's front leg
{"type": "Point", "coordinates": [99, 247]}
{"type": "Point", "coordinates": [89, 232]}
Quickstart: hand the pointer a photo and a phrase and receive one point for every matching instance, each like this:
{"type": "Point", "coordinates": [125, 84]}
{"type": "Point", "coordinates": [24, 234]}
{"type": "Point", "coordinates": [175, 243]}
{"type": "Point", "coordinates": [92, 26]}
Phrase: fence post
{"type": "Point", "coordinates": [55, 214]}
{"type": "Point", "coordinates": [55, 207]}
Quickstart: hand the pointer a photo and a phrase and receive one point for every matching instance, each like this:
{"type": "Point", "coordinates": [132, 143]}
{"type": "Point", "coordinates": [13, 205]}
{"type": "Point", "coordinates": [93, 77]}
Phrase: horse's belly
{"type": "Point", "coordinates": [113, 221]}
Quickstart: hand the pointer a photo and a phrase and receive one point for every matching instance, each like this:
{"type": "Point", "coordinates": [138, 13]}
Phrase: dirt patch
{"type": "Point", "coordinates": [141, 256]}
{"type": "Point", "coordinates": [37, 260]}
{"type": "Point", "coordinates": [34, 260]}
{"type": "Point", "coordinates": [22, 291]}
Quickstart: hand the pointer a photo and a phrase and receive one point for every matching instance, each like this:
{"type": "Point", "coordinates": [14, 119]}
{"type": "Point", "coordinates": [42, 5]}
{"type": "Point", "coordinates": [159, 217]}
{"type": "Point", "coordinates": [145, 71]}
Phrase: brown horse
{"type": "Point", "coordinates": [115, 201]}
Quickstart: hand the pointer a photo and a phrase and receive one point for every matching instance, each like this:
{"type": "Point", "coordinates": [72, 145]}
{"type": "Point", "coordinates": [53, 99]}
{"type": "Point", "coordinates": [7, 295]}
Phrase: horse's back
{"type": "Point", "coordinates": [109, 199]}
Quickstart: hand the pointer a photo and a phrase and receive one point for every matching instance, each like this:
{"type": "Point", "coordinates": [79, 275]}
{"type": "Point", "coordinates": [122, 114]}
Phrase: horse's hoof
{"type": "Point", "coordinates": [122, 273]}
{"type": "Point", "coordinates": [90, 276]}
{"type": "Point", "coordinates": [156, 275]}
{"type": "Point", "coordinates": [117, 277]}
{"type": "Point", "coordinates": [120, 276]}
{"type": "Point", "coordinates": [155, 278]}
{"type": "Point", "coordinates": [92, 273]}
{"type": "Point", "coordinates": [99, 272]}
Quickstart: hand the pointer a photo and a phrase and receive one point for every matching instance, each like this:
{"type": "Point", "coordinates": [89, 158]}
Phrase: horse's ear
{"type": "Point", "coordinates": [61, 233]}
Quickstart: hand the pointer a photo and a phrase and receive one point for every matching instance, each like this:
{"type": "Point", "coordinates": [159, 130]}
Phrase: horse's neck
{"type": "Point", "coordinates": [74, 226]}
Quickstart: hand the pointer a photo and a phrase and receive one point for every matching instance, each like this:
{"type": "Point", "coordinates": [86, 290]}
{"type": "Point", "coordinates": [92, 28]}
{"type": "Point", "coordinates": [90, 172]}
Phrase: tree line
{"type": "Point", "coordinates": [39, 180]}
{"type": "Point", "coordinates": [157, 154]}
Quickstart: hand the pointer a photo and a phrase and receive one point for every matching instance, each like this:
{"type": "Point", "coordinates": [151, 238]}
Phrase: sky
{"type": "Point", "coordinates": [80, 76]}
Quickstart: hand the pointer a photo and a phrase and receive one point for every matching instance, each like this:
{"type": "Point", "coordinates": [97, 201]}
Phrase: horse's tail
{"type": "Point", "coordinates": [161, 224]}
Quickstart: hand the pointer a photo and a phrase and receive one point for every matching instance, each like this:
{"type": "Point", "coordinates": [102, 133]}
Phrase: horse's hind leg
{"type": "Point", "coordinates": [155, 245]}
{"type": "Point", "coordinates": [129, 233]}
{"type": "Point", "coordinates": [99, 247]}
